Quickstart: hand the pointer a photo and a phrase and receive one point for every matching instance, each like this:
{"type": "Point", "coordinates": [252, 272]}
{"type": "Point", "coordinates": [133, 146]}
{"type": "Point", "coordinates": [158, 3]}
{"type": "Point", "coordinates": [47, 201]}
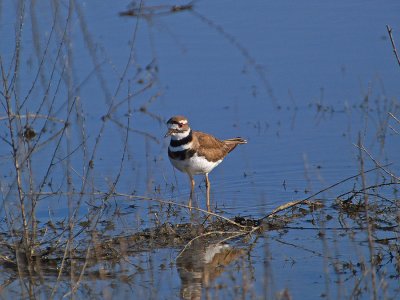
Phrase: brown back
{"type": "Point", "coordinates": [212, 148]}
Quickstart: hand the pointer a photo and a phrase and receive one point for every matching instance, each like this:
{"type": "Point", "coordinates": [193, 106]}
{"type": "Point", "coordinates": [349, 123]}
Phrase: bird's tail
{"type": "Point", "coordinates": [232, 143]}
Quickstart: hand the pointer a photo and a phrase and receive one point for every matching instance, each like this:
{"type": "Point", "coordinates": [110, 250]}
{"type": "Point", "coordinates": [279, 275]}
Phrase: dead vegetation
{"type": "Point", "coordinates": [48, 155]}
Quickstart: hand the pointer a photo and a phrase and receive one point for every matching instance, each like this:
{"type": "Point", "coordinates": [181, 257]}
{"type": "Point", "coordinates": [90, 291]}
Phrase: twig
{"type": "Point", "coordinates": [367, 218]}
{"type": "Point", "coordinates": [124, 152]}
{"type": "Point", "coordinates": [60, 271]}
{"type": "Point", "coordinates": [16, 153]}
{"type": "Point", "coordinates": [298, 202]}
{"type": "Point", "coordinates": [394, 130]}
{"type": "Point", "coordinates": [386, 228]}
{"type": "Point", "coordinates": [300, 247]}
{"type": "Point", "coordinates": [156, 10]}
{"type": "Point", "coordinates": [143, 133]}
{"type": "Point", "coordinates": [389, 29]}
{"type": "Point", "coordinates": [396, 119]}
{"type": "Point", "coordinates": [354, 192]}
{"type": "Point", "coordinates": [361, 147]}
{"type": "Point", "coordinates": [103, 194]}
{"type": "Point", "coordinates": [32, 116]}
{"type": "Point", "coordinates": [181, 205]}
{"type": "Point", "coordinates": [393, 116]}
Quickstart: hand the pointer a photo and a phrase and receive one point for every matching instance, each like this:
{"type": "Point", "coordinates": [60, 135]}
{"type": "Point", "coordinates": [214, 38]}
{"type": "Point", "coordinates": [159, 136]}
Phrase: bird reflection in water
{"type": "Point", "coordinates": [201, 263]}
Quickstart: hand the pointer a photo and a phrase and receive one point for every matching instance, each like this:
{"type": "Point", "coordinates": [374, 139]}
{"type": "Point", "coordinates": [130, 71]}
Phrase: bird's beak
{"type": "Point", "coordinates": [169, 132]}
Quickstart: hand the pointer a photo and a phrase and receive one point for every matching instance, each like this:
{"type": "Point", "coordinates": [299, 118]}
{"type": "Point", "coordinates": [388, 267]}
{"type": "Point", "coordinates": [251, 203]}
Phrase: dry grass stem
{"type": "Point", "coordinates": [298, 202]}
{"type": "Point", "coordinates": [389, 30]}
{"type": "Point", "coordinates": [391, 174]}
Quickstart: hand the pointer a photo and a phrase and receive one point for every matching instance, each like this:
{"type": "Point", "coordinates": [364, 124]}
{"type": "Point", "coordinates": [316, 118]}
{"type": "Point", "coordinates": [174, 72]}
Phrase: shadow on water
{"type": "Point", "coordinates": [90, 206]}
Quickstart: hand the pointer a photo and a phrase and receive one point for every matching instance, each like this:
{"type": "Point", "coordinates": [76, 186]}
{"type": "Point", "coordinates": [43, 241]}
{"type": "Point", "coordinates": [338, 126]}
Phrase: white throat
{"type": "Point", "coordinates": [180, 135]}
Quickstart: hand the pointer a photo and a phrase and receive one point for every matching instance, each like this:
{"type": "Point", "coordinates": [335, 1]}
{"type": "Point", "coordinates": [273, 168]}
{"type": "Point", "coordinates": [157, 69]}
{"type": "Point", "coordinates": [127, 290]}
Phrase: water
{"type": "Point", "coordinates": [299, 81]}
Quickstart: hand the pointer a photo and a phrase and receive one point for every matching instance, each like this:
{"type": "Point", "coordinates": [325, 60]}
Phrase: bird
{"type": "Point", "coordinates": [195, 152]}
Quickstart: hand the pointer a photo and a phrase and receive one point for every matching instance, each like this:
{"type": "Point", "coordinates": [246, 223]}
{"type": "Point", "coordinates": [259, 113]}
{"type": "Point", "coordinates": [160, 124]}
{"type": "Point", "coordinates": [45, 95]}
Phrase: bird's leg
{"type": "Point", "coordinates": [192, 183]}
{"type": "Point", "coordinates": [208, 192]}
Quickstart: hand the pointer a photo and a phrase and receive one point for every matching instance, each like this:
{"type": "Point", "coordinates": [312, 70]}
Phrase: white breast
{"type": "Point", "coordinates": [195, 165]}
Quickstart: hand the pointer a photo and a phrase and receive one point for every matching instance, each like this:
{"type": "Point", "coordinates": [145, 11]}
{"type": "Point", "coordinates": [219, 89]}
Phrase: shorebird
{"type": "Point", "coordinates": [195, 153]}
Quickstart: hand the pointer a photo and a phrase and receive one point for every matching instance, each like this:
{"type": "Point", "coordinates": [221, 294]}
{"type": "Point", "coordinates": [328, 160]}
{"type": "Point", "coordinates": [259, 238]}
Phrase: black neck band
{"type": "Point", "coordinates": [185, 140]}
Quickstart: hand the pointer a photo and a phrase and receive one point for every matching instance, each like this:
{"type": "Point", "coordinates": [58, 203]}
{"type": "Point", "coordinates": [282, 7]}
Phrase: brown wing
{"type": "Point", "coordinates": [214, 149]}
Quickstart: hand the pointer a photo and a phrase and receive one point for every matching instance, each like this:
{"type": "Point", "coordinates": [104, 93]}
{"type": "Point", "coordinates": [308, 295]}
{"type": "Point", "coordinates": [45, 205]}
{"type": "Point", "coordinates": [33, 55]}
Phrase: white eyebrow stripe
{"type": "Point", "coordinates": [173, 126]}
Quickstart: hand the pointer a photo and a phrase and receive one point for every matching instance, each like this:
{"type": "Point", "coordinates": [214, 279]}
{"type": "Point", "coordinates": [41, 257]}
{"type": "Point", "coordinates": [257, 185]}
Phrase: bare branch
{"type": "Point", "coordinates": [393, 116]}
{"type": "Point", "coordinates": [303, 201]}
{"type": "Point", "coordinates": [389, 29]}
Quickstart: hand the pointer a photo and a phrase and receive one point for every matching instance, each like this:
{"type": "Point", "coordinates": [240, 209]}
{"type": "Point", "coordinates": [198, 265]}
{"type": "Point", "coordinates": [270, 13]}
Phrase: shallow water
{"type": "Point", "coordinates": [301, 82]}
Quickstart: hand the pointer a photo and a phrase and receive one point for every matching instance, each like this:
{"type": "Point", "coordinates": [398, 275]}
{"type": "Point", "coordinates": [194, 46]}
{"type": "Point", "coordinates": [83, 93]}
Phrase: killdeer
{"type": "Point", "coordinates": [195, 152]}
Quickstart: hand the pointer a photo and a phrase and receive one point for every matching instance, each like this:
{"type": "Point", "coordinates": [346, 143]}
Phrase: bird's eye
{"type": "Point", "coordinates": [180, 125]}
